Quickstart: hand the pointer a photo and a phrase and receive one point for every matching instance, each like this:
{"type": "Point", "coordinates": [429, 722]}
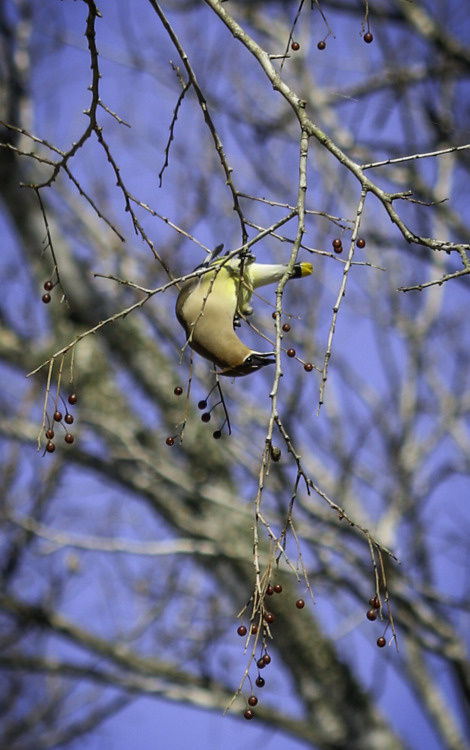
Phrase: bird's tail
{"type": "Point", "coordinates": [301, 269]}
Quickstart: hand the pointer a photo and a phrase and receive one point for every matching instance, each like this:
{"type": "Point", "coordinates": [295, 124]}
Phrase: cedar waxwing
{"type": "Point", "coordinates": [208, 307]}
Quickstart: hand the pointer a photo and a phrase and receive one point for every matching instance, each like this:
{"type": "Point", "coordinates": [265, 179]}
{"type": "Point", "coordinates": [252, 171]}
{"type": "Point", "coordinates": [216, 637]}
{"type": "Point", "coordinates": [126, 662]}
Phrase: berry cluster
{"type": "Point", "coordinates": [371, 615]}
{"type": "Point", "coordinates": [63, 419]}
{"type": "Point", "coordinates": [266, 619]}
{"type": "Point", "coordinates": [338, 245]}
{"type": "Point", "coordinates": [368, 38]}
{"type": "Point", "coordinates": [206, 415]}
{"type": "Point", "coordinates": [286, 327]}
{"type": "Point", "coordinates": [48, 286]}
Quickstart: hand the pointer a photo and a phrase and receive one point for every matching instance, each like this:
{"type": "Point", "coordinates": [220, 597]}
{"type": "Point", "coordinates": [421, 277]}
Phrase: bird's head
{"type": "Point", "coordinates": [250, 363]}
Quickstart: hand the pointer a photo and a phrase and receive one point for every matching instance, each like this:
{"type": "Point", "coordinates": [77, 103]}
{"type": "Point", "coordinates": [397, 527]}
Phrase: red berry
{"type": "Point", "coordinates": [178, 390]}
{"type": "Point", "coordinates": [368, 37]}
{"type": "Point", "coordinates": [295, 46]}
{"type": "Point", "coordinates": [371, 615]}
{"type": "Point", "coordinates": [269, 590]}
{"type": "Point", "coordinates": [46, 298]}
{"type": "Point", "coordinates": [269, 617]}
{"type": "Point", "coordinates": [274, 315]}
{"type": "Point", "coordinates": [69, 438]}
{"type": "Point", "coordinates": [374, 602]}
{"type": "Point", "coordinates": [50, 447]}
{"type": "Point", "coordinates": [308, 367]}
{"type": "Point", "coordinates": [267, 659]}
{"type": "Point", "coordinates": [321, 45]}
{"type": "Point", "coordinates": [48, 286]}
{"type": "Point", "coordinates": [278, 588]}
{"type": "Point", "coordinates": [57, 416]}
{"type": "Point", "coordinates": [49, 434]}
{"type": "Point", "coordinates": [337, 246]}
{"type": "Point", "coordinates": [361, 242]}
{"type": "Point", "coordinates": [248, 714]}
{"type": "Point", "coordinates": [170, 440]}
{"type": "Point", "coordinates": [206, 417]}
{"type": "Point", "coordinates": [291, 352]}
{"type": "Point", "coordinates": [260, 663]}
{"type": "Point", "coordinates": [241, 630]}
{"type": "Point", "coordinates": [286, 327]}
{"type": "Point", "coordinates": [300, 604]}
{"type": "Point", "coordinates": [68, 418]}
{"type": "Point", "coordinates": [381, 642]}
{"type": "Point", "coordinates": [252, 700]}
{"type": "Point", "coordinates": [254, 629]}
{"type": "Point", "coordinates": [73, 398]}
{"type": "Point", "coordinates": [260, 682]}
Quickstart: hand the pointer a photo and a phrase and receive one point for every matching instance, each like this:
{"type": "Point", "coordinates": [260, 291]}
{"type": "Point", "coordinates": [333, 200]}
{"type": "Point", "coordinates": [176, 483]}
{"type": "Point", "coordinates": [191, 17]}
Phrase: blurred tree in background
{"type": "Point", "coordinates": [134, 136]}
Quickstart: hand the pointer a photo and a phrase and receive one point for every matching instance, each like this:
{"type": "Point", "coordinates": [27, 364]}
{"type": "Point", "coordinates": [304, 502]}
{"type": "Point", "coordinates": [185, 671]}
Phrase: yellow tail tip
{"type": "Point", "coordinates": [306, 269]}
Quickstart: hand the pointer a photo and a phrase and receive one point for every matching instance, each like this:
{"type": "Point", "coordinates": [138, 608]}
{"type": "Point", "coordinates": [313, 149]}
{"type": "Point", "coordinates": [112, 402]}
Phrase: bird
{"type": "Point", "coordinates": [209, 306]}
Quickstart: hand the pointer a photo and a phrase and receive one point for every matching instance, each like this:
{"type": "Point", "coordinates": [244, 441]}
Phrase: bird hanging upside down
{"type": "Point", "coordinates": [208, 307]}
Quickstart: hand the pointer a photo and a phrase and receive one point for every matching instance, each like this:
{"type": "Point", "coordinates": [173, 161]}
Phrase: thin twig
{"type": "Point", "coordinates": [339, 298]}
{"type": "Point", "coordinates": [207, 116]}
